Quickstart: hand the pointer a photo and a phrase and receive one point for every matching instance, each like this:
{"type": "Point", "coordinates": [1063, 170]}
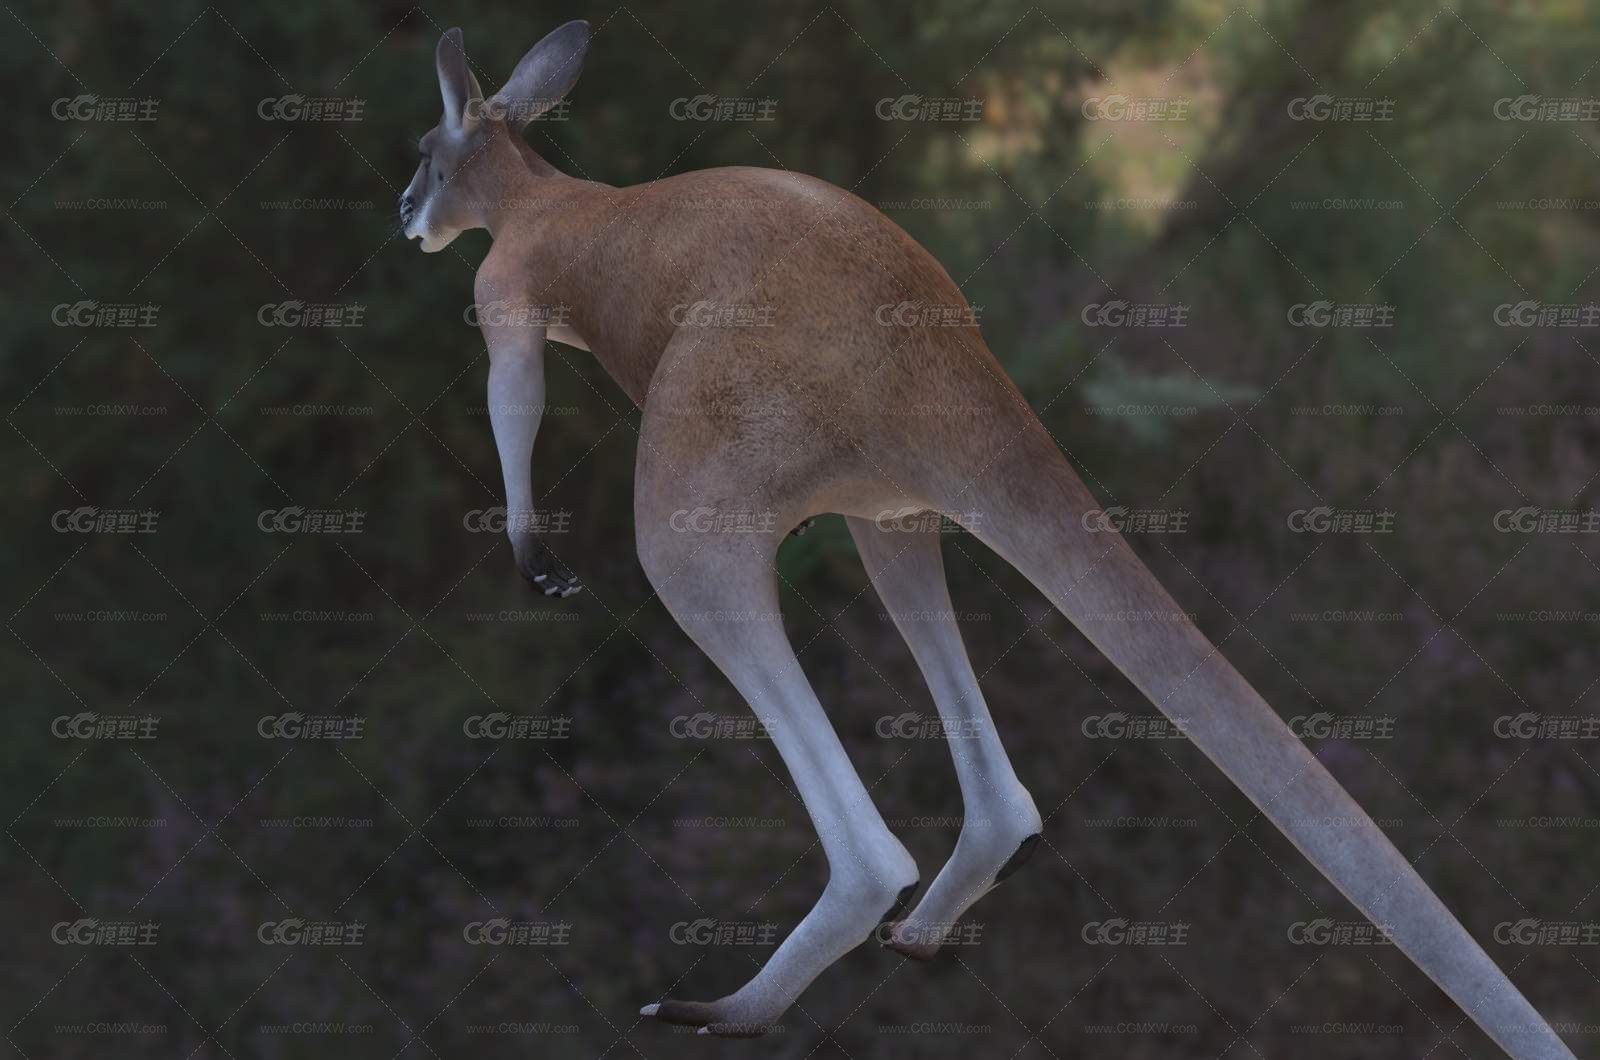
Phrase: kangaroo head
{"type": "Point", "coordinates": [476, 151]}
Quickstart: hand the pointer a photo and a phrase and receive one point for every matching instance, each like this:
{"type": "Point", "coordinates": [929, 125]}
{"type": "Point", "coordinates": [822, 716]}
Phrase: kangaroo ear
{"type": "Point", "coordinates": [456, 83]}
{"type": "Point", "coordinates": [544, 76]}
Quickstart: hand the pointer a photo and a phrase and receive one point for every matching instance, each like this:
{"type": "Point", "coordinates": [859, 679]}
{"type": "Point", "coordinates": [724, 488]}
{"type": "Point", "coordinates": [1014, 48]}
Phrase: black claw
{"type": "Point", "coordinates": [685, 1013]}
{"type": "Point", "coordinates": [736, 1030]}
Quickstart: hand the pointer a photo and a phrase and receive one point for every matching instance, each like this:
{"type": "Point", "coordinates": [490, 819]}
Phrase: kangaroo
{"type": "Point", "coordinates": [812, 413]}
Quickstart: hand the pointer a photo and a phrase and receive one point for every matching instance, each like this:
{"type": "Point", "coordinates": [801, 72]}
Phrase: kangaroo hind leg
{"type": "Point", "coordinates": [722, 590]}
{"type": "Point", "coordinates": [1000, 825]}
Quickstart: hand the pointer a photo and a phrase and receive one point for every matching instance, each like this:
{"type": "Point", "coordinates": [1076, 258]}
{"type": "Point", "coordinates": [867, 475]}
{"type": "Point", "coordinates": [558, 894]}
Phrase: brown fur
{"type": "Point", "coordinates": [827, 390]}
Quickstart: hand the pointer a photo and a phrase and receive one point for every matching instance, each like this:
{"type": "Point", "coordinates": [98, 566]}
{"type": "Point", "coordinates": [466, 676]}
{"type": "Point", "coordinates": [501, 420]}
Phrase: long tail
{"type": "Point", "coordinates": [1032, 513]}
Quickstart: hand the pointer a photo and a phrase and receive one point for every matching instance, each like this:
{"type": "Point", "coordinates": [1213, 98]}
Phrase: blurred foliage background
{"type": "Point", "coordinates": [210, 212]}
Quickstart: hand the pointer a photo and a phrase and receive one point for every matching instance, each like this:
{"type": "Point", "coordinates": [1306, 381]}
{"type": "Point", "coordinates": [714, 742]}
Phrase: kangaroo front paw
{"type": "Point", "coordinates": [546, 573]}
{"type": "Point", "coordinates": [557, 583]}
